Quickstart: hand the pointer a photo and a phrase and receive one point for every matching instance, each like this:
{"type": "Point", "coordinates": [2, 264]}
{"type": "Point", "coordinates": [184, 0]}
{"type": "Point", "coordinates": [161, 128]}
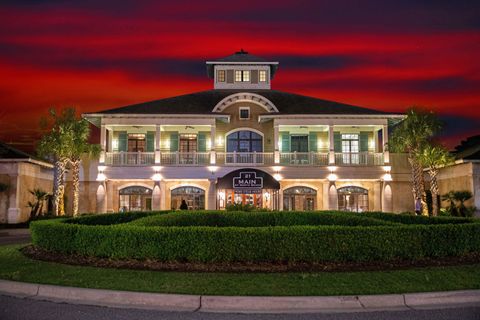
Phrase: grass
{"type": "Point", "coordinates": [15, 266]}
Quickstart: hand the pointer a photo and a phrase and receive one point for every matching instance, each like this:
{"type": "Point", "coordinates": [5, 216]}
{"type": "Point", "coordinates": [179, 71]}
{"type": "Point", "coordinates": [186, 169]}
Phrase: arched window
{"type": "Point", "coordinates": [299, 198]}
{"type": "Point", "coordinates": [244, 141]}
{"type": "Point", "coordinates": [135, 198]}
{"type": "Point", "coordinates": [353, 198]}
{"type": "Point", "coordinates": [193, 196]}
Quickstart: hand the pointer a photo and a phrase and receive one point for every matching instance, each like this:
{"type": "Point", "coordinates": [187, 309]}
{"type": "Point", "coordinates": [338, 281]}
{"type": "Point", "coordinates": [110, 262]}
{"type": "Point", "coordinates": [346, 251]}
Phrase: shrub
{"type": "Point", "coordinates": [287, 242]}
{"type": "Point", "coordinates": [111, 218]}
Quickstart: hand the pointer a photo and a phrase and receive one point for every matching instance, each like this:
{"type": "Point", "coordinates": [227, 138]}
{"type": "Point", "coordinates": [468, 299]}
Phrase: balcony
{"type": "Point", "coordinates": [243, 159]}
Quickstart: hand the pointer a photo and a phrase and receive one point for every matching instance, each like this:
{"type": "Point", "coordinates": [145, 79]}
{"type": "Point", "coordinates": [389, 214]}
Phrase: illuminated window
{"type": "Point", "coordinates": [238, 76]}
{"type": "Point", "coordinates": [221, 76]}
{"type": "Point", "coordinates": [262, 76]}
{"type": "Point", "coordinates": [246, 76]}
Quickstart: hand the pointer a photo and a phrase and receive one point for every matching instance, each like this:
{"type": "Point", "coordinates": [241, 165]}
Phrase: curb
{"type": "Point", "coordinates": [239, 304]}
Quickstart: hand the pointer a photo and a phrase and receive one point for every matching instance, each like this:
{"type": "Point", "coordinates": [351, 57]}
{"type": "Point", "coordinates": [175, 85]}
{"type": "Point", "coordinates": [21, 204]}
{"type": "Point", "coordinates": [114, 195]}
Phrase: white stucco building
{"type": "Point", "coordinates": [244, 142]}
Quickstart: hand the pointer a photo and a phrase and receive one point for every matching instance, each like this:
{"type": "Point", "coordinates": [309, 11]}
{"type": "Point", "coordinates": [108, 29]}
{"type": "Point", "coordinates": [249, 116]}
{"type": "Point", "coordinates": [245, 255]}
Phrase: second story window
{"type": "Point", "coordinates": [238, 76]}
{"type": "Point", "coordinates": [221, 76]}
{"type": "Point", "coordinates": [244, 113]}
{"type": "Point", "coordinates": [246, 76]}
{"type": "Point", "coordinates": [262, 76]}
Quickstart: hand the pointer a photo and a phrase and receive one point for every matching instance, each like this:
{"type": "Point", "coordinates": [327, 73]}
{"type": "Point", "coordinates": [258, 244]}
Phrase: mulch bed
{"type": "Point", "coordinates": [38, 253]}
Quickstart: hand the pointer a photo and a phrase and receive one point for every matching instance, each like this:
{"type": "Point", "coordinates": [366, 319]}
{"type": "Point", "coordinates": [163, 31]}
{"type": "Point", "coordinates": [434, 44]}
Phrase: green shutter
{"type": "Point", "coordinates": [122, 141]}
{"type": "Point", "coordinates": [150, 137]}
{"type": "Point", "coordinates": [174, 141]}
{"type": "Point", "coordinates": [364, 141]}
{"type": "Point", "coordinates": [201, 142]}
{"type": "Point", "coordinates": [285, 142]}
{"type": "Point", "coordinates": [337, 142]}
{"type": "Point", "coordinates": [312, 141]}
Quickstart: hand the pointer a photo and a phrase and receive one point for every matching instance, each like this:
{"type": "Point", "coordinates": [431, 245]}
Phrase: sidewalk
{"type": "Point", "coordinates": [239, 304]}
{"type": "Point", "coordinates": [14, 236]}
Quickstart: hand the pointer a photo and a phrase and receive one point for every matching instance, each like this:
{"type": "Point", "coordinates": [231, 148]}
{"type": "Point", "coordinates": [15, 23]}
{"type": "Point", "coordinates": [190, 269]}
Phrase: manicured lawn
{"type": "Point", "coordinates": [14, 266]}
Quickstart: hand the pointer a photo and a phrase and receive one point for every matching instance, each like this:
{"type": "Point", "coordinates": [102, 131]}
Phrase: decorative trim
{"type": "Point", "coordinates": [245, 97]}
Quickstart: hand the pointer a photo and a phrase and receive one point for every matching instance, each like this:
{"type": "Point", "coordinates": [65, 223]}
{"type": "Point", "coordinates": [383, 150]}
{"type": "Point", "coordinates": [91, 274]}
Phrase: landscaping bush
{"type": "Point", "coordinates": [259, 219]}
{"type": "Point", "coordinates": [310, 243]}
{"type": "Point", "coordinates": [112, 218]}
{"type": "Point", "coordinates": [407, 218]}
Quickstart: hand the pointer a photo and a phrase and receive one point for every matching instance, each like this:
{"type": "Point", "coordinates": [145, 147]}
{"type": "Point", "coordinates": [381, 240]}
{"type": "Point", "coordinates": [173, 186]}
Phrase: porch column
{"type": "Point", "coordinates": [158, 136]}
{"type": "Point", "coordinates": [332, 196]}
{"type": "Point", "coordinates": [386, 154]}
{"type": "Point", "coordinates": [387, 203]}
{"type": "Point", "coordinates": [163, 191]}
{"type": "Point", "coordinates": [156, 193]}
{"type": "Point", "coordinates": [276, 158]}
{"type": "Point", "coordinates": [212, 194]}
{"type": "Point", "coordinates": [377, 194]}
{"type": "Point", "coordinates": [101, 198]}
{"type": "Point", "coordinates": [13, 214]}
{"type": "Point", "coordinates": [331, 146]}
{"type": "Point", "coordinates": [280, 199]}
{"type": "Point", "coordinates": [212, 143]}
{"type": "Point", "coordinates": [103, 143]}
{"type": "Point", "coordinates": [110, 196]}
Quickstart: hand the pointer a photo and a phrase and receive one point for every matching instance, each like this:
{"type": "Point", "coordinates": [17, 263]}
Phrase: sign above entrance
{"type": "Point", "coordinates": [247, 180]}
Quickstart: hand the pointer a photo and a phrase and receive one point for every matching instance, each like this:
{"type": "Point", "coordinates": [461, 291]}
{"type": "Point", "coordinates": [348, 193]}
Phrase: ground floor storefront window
{"type": "Point", "coordinates": [300, 199]}
{"type": "Point", "coordinates": [353, 199]}
{"type": "Point", "coordinates": [135, 198]}
{"type": "Point", "coordinates": [194, 198]}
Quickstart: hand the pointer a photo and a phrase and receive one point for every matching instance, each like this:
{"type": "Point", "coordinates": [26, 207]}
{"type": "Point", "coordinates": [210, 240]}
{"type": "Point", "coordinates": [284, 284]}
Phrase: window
{"type": "Point", "coordinates": [221, 76]}
{"type": "Point", "coordinates": [262, 76]}
{"type": "Point", "coordinates": [299, 143]}
{"type": "Point", "coordinates": [352, 198]}
{"type": "Point", "coordinates": [244, 113]}
{"type": "Point", "coordinates": [194, 198]}
{"type": "Point", "coordinates": [135, 198]}
{"type": "Point", "coordinates": [246, 76]}
{"type": "Point", "coordinates": [244, 141]}
{"type": "Point", "coordinates": [299, 198]}
{"type": "Point", "coordinates": [238, 76]}
{"type": "Point", "coordinates": [350, 148]}
{"type": "Point", "coordinates": [136, 142]}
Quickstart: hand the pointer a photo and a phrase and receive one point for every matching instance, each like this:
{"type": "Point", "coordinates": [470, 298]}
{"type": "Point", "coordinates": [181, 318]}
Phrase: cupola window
{"type": "Point", "coordinates": [262, 76]}
{"type": "Point", "coordinates": [221, 75]}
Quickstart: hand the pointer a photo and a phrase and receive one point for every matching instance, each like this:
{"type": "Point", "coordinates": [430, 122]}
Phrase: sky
{"type": "Point", "coordinates": [95, 55]}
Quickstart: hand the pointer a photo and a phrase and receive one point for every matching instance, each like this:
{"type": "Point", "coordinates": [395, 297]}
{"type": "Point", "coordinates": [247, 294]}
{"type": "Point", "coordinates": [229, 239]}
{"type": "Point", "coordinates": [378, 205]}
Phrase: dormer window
{"type": "Point", "coordinates": [262, 76]}
{"type": "Point", "coordinates": [221, 76]}
{"type": "Point", "coordinates": [244, 113]}
{"type": "Point", "coordinates": [238, 76]}
{"type": "Point", "coordinates": [246, 76]}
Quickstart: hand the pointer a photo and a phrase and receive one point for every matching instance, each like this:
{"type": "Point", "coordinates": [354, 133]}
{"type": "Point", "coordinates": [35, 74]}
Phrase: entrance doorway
{"type": "Point", "coordinates": [193, 196]}
{"type": "Point", "coordinates": [353, 199]}
{"type": "Point", "coordinates": [187, 148]}
{"type": "Point", "coordinates": [135, 198]}
{"type": "Point", "coordinates": [299, 199]}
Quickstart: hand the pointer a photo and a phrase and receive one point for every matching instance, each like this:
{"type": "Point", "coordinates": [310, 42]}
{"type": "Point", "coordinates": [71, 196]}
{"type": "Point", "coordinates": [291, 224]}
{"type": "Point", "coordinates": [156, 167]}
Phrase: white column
{"type": "Point", "coordinates": [212, 194]}
{"type": "Point", "coordinates": [331, 146]}
{"type": "Point", "coordinates": [163, 190]}
{"type": "Point", "coordinates": [386, 154]}
{"type": "Point", "coordinates": [276, 142]}
{"type": "Point", "coordinates": [377, 193]}
{"type": "Point", "coordinates": [109, 187]}
{"type": "Point", "coordinates": [325, 186]}
{"type": "Point", "coordinates": [103, 143]}
{"type": "Point", "coordinates": [158, 135]}
{"type": "Point", "coordinates": [212, 143]}
{"type": "Point", "coordinates": [156, 193]}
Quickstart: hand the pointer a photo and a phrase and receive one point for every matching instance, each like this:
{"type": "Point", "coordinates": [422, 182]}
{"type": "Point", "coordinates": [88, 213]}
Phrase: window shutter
{"type": "Point", "coordinates": [150, 137]}
{"type": "Point", "coordinates": [285, 142]}
{"type": "Point", "coordinates": [229, 76]}
{"type": "Point", "coordinates": [363, 141]}
{"type": "Point", "coordinates": [312, 141]}
{"type": "Point", "coordinates": [122, 141]}
{"type": "Point", "coordinates": [254, 76]}
{"type": "Point", "coordinates": [174, 141]}
{"type": "Point", "coordinates": [201, 142]}
{"type": "Point", "coordinates": [337, 142]}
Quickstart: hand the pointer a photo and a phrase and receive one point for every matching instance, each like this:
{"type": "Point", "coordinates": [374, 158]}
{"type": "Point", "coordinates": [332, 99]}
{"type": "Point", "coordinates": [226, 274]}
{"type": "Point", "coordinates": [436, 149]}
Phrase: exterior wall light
{"type": "Point", "coordinates": [212, 169]}
{"type": "Point", "coordinates": [277, 176]}
{"type": "Point", "coordinates": [387, 177]}
{"type": "Point", "coordinates": [332, 168]}
{"type": "Point", "coordinates": [332, 177]}
{"type": "Point", "coordinates": [101, 177]}
{"type": "Point", "coordinates": [157, 176]}
{"type": "Point", "coordinates": [219, 141]}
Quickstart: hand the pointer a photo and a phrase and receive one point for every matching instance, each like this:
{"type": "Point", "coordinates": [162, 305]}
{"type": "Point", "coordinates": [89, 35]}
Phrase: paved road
{"type": "Point", "coordinates": [13, 236]}
{"type": "Point", "coordinates": [23, 308]}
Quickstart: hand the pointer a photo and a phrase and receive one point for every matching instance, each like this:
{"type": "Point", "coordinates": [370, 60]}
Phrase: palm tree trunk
{"type": "Point", "coordinates": [75, 185]}
{"type": "Point", "coordinates": [59, 187]}
{"type": "Point", "coordinates": [434, 190]}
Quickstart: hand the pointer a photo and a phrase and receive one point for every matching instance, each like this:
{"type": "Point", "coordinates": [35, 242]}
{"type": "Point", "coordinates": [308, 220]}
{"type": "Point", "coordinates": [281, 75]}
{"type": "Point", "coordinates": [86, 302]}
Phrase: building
{"type": "Point", "coordinates": [243, 142]}
{"type": "Point", "coordinates": [20, 173]}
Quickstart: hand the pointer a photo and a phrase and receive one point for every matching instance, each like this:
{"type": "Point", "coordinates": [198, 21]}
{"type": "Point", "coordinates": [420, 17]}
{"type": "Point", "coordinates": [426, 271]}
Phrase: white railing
{"type": "Point", "coordinates": [129, 158]}
{"type": "Point", "coordinates": [304, 159]}
{"type": "Point", "coordinates": [184, 158]}
{"type": "Point", "coordinates": [245, 158]}
{"type": "Point", "coordinates": [359, 159]}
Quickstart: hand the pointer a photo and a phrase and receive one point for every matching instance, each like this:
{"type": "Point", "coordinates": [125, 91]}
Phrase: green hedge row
{"type": "Point", "coordinates": [259, 219]}
{"type": "Point", "coordinates": [112, 218]}
{"type": "Point", "coordinates": [407, 218]}
{"type": "Point", "coordinates": [279, 243]}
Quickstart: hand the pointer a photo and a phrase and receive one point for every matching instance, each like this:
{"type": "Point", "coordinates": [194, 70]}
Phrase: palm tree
{"type": "Point", "coordinates": [56, 145]}
{"type": "Point", "coordinates": [37, 206]}
{"type": "Point", "coordinates": [81, 147]}
{"type": "Point", "coordinates": [433, 158]}
{"type": "Point", "coordinates": [410, 136]}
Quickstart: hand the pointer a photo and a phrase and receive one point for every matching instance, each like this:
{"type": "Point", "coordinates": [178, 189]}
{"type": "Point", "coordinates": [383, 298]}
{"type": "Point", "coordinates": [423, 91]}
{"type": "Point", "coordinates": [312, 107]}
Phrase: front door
{"type": "Point", "coordinates": [187, 148]}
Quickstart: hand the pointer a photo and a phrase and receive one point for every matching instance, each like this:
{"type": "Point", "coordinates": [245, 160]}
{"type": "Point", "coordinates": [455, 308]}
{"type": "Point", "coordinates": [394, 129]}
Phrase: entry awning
{"type": "Point", "coordinates": [248, 179]}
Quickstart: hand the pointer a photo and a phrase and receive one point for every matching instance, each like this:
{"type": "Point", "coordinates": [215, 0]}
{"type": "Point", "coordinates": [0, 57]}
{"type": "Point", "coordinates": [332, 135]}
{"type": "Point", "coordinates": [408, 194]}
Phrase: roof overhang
{"type": "Point", "coordinates": [29, 160]}
{"type": "Point", "coordinates": [96, 118]}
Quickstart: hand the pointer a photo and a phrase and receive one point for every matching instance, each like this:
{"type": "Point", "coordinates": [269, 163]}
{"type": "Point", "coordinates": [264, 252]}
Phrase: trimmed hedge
{"type": "Point", "coordinates": [272, 243]}
{"type": "Point", "coordinates": [112, 218]}
{"type": "Point", "coordinates": [407, 218]}
{"type": "Point", "coordinates": [258, 219]}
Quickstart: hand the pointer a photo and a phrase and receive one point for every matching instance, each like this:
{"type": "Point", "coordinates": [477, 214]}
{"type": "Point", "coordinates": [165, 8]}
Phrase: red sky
{"type": "Point", "coordinates": [94, 55]}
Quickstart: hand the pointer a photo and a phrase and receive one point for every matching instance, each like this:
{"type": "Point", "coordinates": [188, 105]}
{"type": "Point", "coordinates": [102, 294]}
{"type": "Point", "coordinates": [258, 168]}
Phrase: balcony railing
{"type": "Point", "coordinates": [129, 158]}
{"type": "Point", "coordinates": [304, 159]}
{"type": "Point", "coordinates": [184, 158]}
{"type": "Point", "coordinates": [245, 158]}
{"type": "Point", "coordinates": [359, 159]}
